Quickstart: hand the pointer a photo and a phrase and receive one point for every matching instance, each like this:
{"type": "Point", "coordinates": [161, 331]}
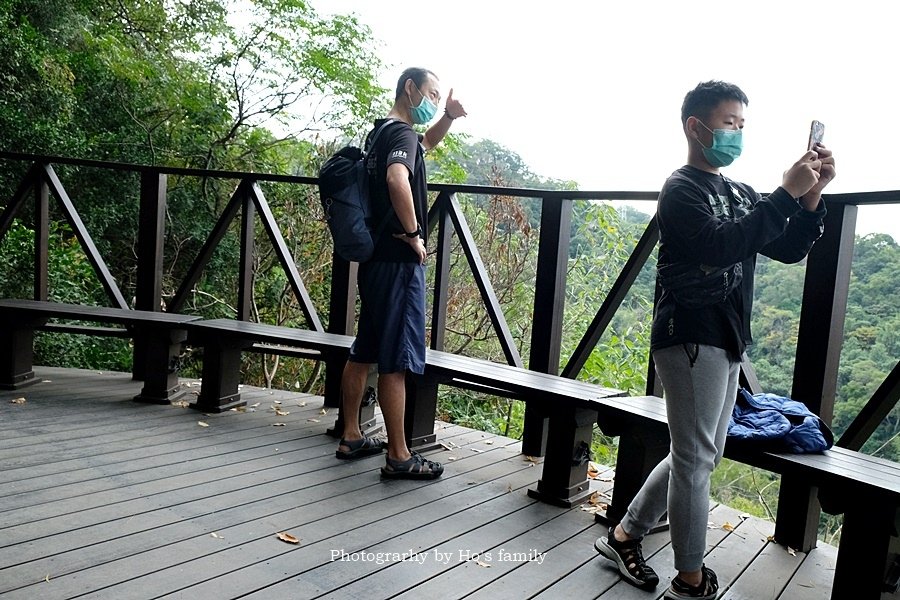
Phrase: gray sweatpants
{"type": "Point", "coordinates": [700, 387]}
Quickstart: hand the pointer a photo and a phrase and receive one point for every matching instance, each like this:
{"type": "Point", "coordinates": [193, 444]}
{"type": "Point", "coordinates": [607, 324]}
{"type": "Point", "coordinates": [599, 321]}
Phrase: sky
{"type": "Point", "coordinates": [591, 91]}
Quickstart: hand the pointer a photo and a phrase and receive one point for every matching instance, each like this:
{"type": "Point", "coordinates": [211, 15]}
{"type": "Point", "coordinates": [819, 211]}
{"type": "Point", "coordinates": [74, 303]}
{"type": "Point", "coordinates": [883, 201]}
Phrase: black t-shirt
{"type": "Point", "coordinates": [398, 143]}
{"type": "Point", "coordinates": [710, 220]}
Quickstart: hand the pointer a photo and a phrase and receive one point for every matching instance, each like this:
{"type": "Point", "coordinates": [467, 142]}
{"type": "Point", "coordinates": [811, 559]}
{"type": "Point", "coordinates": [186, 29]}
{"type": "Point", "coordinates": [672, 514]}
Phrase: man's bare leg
{"type": "Point", "coordinates": [353, 384]}
{"type": "Point", "coordinates": [392, 398]}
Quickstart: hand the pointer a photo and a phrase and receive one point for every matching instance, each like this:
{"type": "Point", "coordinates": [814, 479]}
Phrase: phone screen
{"type": "Point", "coordinates": [816, 133]}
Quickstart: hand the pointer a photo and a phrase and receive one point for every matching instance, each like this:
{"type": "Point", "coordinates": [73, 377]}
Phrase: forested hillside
{"type": "Point", "coordinates": [275, 89]}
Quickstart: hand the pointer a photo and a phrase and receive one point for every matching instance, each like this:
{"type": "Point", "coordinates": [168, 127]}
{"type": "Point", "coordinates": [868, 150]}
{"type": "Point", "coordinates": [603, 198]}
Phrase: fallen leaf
{"type": "Point", "coordinates": [771, 538]}
{"type": "Point", "coordinates": [282, 413]}
{"type": "Point", "coordinates": [745, 516]}
{"type": "Point", "coordinates": [451, 458]}
{"type": "Point", "coordinates": [489, 442]}
{"type": "Point", "coordinates": [727, 526]}
{"type": "Point", "coordinates": [482, 564]}
{"type": "Point", "coordinates": [476, 450]}
{"type": "Point", "coordinates": [276, 401]}
{"type": "Point", "coordinates": [202, 424]}
{"type": "Point", "coordinates": [18, 400]}
{"type": "Point", "coordinates": [217, 536]}
{"type": "Point", "coordinates": [301, 404]}
{"type": "Point", "coordinates": [313, 420]}
{"type": "Point", "coordinates": [286, 537]}
{"type": "Point", "coordinates": [47, 578]}
{"type": "Point", "coordinates": [181, 404]}
{"type": "Point", "coordinates": [254, 405]}
{"type": "Point", "coordinates": [324, 411]}
{"type": "Point", "coordinates": [791, 551]}
{"type": "Point", "coordinates": [531, 459]}
{"type": "Point", "coordinates": [277, 424]}
{"type": "Point", "coordinates": [240, 409]}
{"type": "Point", "coordinates": [47, 381]}
{"type": "Point", "coordinates": [595, 499]}
{"type": "Point", "coordinates": [509, 488]}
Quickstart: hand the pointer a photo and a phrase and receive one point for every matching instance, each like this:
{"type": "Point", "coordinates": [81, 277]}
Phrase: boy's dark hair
{"type": "Point", "coordinates": [703, 99]}
{"type": "Point", "coordinates": [417, 74]}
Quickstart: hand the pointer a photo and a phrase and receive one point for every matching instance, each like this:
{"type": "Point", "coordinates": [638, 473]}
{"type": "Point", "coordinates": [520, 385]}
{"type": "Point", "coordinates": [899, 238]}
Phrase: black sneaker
{"type": "Point", "coordinates": [707, 590]}
{"type": "Point", "coordinates": [630, 560]}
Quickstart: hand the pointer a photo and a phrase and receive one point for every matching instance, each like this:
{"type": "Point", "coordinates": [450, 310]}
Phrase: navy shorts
{"type": "Point", "coordinates": [391, 329]}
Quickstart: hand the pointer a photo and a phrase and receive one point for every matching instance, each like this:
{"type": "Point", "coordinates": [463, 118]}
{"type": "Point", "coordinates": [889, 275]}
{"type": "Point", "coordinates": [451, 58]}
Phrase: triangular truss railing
{"type": "Point", "coordinates": [248, 200]}
{"type": "Point", "coordinates": [446, 214]}
{"type": "Point", "coordinates": [43, 180]}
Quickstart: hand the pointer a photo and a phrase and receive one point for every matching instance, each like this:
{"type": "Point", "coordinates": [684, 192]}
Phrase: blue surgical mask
{"type": "Point", "coordinates": [727, 145]}
{"type": "Point", "coordinates": [425, 111]}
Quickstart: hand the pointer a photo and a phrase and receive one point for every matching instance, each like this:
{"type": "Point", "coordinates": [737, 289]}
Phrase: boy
{"type": "Point", "coordinates": [708, 222]}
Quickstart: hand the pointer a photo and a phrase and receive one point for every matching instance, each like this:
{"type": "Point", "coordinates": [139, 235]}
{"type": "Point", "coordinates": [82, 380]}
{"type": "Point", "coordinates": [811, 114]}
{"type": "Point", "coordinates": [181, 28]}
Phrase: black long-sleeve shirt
{"type": "Point", "coordinates": [708, 219]}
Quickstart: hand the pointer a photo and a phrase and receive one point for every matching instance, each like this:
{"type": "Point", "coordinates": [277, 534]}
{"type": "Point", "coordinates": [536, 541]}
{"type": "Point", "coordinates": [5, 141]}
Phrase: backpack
{"type": "Point", "coordinates": [344, 194]}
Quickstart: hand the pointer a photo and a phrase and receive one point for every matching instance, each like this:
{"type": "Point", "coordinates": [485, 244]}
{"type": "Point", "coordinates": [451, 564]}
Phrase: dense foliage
{"type": "Point", "coordinates": [272, 87]}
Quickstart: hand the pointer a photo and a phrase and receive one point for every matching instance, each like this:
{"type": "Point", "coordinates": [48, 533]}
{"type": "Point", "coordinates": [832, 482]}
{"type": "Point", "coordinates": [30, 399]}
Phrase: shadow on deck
{"type": "Point", "coordinates": [105, 498]}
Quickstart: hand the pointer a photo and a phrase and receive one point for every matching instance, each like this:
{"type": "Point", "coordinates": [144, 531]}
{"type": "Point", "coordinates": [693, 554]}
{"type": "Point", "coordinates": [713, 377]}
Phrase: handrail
{"type": "Point", "coordinates": [857, 198]}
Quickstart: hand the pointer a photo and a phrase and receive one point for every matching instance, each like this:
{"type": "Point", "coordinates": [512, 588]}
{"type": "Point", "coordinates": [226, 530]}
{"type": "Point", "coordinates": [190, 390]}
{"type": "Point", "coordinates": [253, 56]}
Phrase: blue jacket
{"type": "Point", "coordinates": [786, 424]}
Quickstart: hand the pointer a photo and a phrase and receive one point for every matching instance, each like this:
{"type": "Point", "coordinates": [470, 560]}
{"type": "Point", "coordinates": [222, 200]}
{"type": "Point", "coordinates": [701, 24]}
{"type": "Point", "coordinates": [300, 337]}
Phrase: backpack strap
{"type": "Point", "coordinates": [370, 143]}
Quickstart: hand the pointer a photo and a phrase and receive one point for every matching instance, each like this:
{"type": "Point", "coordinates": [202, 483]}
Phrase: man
{"type": "Point", "coordinates": [707, 220]}
{"type": "Point", "coordinates": [391, 330]}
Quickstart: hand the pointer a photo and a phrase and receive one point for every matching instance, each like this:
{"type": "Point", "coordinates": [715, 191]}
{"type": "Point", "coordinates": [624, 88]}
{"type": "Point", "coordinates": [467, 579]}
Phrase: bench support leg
{"type": "Point", "coordinates": [420, 412]}
{"type": "Point", "coordinates": [221, 377]}
{"type": "Point", "coordinates": [863, 551]}
{"type": "Point", "coordinates": [640, 450]}
{"type": "Point", "coordinates": [368, 425]}
{"type": "Point", "coordinates": [162, 356]}
{"type": "Point", "coordinates": [797, 521]}
{"type": "Point", "coordinates": [16, 357]}
{"type": "Point", "coordinates": [564, 480]}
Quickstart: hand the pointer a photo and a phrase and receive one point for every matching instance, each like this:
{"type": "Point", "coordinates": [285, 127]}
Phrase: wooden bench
{"type": "Point", "coordinates": [572, 405]}
{"type": "Point", "coordinates": [161, 334]}
{"type": "Point", "coordinates": [865, 489]}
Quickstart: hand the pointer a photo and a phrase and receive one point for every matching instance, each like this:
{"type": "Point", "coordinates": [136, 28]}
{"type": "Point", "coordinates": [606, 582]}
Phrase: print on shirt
{"type": "Point", "coordinates": [720, 205]}
{"type": "Point", "coordinates": [736, 206]}
{"type": "Point", "coordinates": [742, 204]}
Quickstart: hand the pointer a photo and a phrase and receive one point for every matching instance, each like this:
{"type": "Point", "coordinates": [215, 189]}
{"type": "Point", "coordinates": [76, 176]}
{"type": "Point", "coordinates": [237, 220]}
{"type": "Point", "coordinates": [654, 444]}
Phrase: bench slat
{"type": "Point", "coordinates": [101, 314]}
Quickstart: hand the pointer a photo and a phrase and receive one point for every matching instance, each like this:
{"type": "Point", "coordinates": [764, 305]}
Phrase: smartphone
{"type": "Point", "coordinates": [816, 133]}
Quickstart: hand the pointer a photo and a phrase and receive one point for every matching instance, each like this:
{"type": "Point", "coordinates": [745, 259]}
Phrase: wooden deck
{"type": "Point", "coordinates": [102, 497]}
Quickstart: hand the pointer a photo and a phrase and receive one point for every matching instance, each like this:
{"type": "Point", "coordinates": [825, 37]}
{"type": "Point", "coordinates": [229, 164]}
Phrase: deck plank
{"type": "Point", "coordinates": [105, 498]}
{"type": "Point", "coordinates": [767, 575]}
{"type": "Point", "coordinates": [814, 577]}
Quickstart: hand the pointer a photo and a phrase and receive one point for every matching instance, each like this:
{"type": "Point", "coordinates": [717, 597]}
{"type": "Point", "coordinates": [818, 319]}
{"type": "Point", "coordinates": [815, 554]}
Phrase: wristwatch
{"type": "Point", "coordinates": [414, 234]}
